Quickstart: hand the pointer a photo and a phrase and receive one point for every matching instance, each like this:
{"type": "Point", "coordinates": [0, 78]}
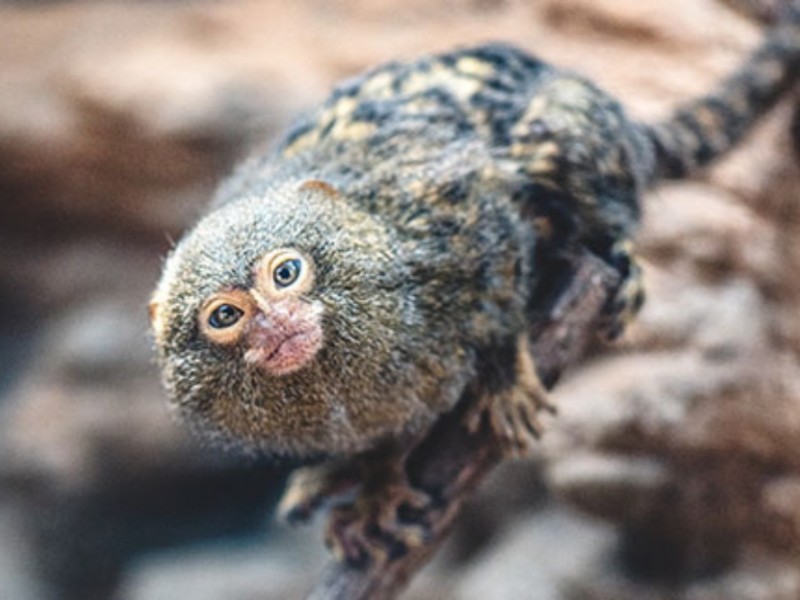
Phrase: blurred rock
{"type": "Point", "coordinates": [274, 567]}
{"type": "Point", "coordinates": [683, 452]}
{"type": "Point", "coordinates": [16, 556]}
{"type": "Point", "coordinates": [539, 558]}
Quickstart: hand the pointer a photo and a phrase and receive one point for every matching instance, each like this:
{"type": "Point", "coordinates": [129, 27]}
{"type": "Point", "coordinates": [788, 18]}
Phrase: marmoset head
{"type": "Point", "coordinates": [282, 322]}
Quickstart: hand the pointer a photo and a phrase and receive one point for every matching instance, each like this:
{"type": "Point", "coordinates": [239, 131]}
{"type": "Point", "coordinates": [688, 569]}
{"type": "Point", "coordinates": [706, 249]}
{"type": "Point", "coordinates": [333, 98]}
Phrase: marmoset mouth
{"type": "Point", "coordinates": [288, 354]}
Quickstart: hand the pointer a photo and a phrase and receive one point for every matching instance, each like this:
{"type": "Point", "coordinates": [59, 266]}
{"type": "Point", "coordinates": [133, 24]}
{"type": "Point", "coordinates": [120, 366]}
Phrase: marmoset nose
{"type": "Point", "coordinates": [269, 325]}
{"type": "Point", "coordinates": [283, 337]}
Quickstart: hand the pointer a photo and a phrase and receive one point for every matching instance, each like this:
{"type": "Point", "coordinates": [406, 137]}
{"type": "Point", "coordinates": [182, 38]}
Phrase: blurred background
{"type": "Point", "coordinates": [673, 468]}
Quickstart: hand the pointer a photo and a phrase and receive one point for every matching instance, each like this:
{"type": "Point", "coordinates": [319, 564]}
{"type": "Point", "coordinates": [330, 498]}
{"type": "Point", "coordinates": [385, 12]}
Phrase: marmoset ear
{"type": "Point", "coordinates": [319, 186]}
{"type": "Point", "coordinates": [156, 317]}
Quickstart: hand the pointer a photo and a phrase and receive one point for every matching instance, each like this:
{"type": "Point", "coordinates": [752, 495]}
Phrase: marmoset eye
{"type": "Point", "coordinates": [225, 315]}
{"type": "Point", "coordinates": [286, 273]}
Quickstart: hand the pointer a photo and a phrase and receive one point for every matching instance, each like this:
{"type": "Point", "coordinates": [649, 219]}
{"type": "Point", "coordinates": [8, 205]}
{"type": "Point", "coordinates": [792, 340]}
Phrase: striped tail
{"type": "Point", "coordinates": [705, 128]}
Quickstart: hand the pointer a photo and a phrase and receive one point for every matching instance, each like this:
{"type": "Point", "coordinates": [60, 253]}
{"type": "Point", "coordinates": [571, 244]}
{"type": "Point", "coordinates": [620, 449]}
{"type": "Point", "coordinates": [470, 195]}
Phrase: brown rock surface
{"type": "Point", "coordinates": [116, 120]}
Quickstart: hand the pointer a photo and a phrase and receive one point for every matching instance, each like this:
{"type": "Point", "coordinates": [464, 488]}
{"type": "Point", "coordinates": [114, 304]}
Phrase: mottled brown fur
{"type": "Point", "coordinates": [439, 201]}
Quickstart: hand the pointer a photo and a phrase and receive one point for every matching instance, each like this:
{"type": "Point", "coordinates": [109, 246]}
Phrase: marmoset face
{"type": "Point", "coordinates": [243, 287]}
{"type": "Point", "coordinates": [282, 322]}
{"type": "Point", "coordinates": [277, 323]}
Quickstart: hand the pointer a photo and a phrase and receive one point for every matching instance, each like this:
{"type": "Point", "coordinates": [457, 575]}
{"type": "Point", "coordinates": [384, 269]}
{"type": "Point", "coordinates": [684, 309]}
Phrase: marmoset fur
{"type": "Point", "coordinates": [390, 252]}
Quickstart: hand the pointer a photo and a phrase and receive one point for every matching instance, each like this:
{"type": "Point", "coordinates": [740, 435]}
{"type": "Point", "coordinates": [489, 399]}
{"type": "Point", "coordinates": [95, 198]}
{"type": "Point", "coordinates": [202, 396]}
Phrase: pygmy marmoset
{"type": "Point", "coordinates": [390, 252]}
